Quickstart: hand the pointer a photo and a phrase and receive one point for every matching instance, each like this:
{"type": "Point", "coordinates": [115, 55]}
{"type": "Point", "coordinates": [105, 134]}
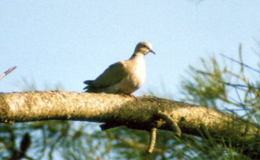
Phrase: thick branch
{"type": "Point", "coordinates": [137, 113]}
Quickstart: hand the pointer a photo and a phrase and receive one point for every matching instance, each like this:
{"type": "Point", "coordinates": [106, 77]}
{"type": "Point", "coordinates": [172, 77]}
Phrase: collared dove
{"type": "Point", "coordinates": [124, 76]}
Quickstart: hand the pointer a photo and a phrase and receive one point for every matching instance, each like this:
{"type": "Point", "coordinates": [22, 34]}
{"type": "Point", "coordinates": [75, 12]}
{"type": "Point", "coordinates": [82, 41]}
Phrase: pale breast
{"type": "Point", "coordinates": [135, 78]}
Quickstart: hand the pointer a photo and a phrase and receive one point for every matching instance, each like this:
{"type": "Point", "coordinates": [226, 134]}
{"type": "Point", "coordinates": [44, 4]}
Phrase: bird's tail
{"type": "Point", "coordinates": [91, 88]}
{"type": "Point", "coordinates": [88, 82]}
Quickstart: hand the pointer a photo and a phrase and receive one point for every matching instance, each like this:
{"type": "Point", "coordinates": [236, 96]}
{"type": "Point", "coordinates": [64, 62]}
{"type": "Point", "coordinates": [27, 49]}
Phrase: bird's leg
{"type": "Point", "coordinates": [132, 95]}
{"type": "Point", "coordinates": [129, 95]}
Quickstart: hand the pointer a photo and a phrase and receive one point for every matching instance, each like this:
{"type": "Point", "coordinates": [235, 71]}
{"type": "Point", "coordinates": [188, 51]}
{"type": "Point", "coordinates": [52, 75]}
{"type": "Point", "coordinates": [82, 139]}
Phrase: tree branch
{"type": "Point", "coordinates": [152, 140]}
{"type": "Point", "coordinates": [137, 113]}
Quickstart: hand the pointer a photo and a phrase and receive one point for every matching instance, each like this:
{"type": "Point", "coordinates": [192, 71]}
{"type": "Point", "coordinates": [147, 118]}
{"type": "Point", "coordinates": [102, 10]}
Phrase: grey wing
{"type": "Point", "coordinates": [111, 76]}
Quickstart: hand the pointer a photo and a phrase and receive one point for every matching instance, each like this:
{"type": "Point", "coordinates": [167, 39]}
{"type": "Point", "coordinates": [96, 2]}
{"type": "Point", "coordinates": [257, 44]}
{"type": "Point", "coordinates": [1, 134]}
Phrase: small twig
{"type": "Point", "coordinates": [7, 72]}
{"type": "Point", "coordinates": [152, 139]}
{"type": "Point", "coordinates": [239, 86]}
{"type": "Point", "coordinates": [174, 126]}
{"type": "Point", "coordinates": [240, 63]}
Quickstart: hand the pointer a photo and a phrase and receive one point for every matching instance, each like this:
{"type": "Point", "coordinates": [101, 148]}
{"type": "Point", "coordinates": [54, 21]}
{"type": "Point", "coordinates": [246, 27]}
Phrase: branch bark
{"type": "Point", "coordinates": [137, 113]}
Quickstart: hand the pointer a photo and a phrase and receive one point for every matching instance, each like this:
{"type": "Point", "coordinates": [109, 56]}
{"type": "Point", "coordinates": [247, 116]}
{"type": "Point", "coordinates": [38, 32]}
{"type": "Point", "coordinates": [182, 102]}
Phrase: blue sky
{"type": "Point", "coordinates": [66, 42]}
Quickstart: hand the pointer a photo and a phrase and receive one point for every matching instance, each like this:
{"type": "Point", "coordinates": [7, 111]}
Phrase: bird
{"type": "Point", "coordinates": [123, 77]}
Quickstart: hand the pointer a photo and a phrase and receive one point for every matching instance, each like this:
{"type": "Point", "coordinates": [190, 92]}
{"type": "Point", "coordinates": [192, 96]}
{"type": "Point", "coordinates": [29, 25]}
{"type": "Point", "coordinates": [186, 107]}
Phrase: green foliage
{"type": "Point", "coordinates": [220, 87]}
{"type": "Point", "coordinates": [206, 86]}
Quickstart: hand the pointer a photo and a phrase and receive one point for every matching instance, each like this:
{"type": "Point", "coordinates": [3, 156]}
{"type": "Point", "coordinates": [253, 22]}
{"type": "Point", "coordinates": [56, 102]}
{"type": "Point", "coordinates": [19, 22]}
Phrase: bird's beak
{"type": "Point", "coordinates": [152, 51]}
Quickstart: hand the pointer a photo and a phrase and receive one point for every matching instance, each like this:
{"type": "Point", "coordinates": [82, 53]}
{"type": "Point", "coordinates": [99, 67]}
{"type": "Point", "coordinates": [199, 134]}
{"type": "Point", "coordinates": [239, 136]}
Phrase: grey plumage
{"type": "Point", "coordinates": [124, 76]}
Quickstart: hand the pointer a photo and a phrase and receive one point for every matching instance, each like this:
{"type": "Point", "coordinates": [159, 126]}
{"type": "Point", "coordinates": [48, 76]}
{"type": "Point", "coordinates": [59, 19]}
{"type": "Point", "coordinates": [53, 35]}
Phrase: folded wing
{"type": "Point", "coordinates": [111, 76]}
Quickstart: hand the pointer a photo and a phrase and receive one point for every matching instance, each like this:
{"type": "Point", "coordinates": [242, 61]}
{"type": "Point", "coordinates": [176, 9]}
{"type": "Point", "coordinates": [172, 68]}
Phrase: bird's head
{"type": "Point", "coordinates": [144, 47]}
